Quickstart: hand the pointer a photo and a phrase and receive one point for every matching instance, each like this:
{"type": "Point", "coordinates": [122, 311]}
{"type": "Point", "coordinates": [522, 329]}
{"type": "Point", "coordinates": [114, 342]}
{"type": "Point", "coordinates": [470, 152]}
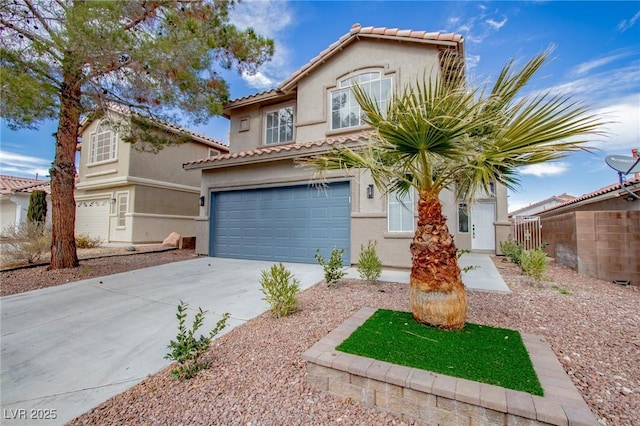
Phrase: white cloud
{"type": "Point", "coordinates": [495, 24]}
{"type": "Point", "coordinates": [624, 25]}
{"type": "Point", "coordinates": [585, 67]}
{"type": "Point", "coordinates": [259, 81]}
{"type": "Point", "coordinates": [472, 61]}
{"type": "Point", "coordinates": [476, 29]}
{"type": "Point", "coordinates": [624, 129]}
{"type": "Point", "coordinates": [268, 18]}
{"type": "Point", "coordinates": [545, 169]}
{"type": "Point", "coordinates": [15, 164]}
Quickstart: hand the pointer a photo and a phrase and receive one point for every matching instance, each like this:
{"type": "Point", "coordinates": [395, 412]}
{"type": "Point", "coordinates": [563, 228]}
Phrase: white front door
{"type": "Point", "coordinates": [483, 216]}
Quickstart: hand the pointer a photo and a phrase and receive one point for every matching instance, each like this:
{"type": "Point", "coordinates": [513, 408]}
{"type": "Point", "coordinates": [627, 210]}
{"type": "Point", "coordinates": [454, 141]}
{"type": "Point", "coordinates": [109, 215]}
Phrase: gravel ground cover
{"type": "Point", "coordinates": [256, 375]}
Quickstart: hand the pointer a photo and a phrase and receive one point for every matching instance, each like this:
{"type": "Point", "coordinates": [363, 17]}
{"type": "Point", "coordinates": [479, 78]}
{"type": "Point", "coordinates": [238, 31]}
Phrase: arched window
{"type": "Point", "coordinates": [345, 111]}
{"type": "Point", "coordinates": [103, 143]}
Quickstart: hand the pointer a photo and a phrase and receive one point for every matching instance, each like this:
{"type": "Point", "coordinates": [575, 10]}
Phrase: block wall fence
{"type": "Point", "coordinates": [600, 244]}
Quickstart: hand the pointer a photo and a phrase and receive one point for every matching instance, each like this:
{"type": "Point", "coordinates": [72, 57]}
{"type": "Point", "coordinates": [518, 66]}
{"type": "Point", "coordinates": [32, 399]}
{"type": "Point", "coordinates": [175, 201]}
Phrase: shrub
{"type": "Point", "coordinates": [187, 350]}
{"type": "Point", "coordinates": [512, 249]}
{"type": "Point", "coordinates": [369, 264]}
{"type": "Point", "coordinates": [333, 270]}
{"type": "Point", "coordinates": [26, 243]}
{"type": "Point", "coordinates": [534, 264]}
{"type": "Point", "coordinates": [280, 289]}
{"type": "Point", "coordinates": [467, 268]}
{"type": "Point", "coordinates": [85, 241]}
{"type": "Point", "coordinates": [37, 210]}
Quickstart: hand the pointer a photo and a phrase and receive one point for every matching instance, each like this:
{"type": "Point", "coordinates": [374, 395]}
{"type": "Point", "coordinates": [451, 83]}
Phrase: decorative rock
{"type": "Point", "coordinates": [172, 240]}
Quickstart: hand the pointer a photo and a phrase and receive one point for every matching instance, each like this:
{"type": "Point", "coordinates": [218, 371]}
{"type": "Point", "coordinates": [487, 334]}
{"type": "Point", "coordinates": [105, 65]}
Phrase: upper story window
{"type": "Point", "coordinates": [103, 144]}
{"type": "Point", "coordinates": [345, 111]}
{"type": "Point", "coordinates": [279, 126]}
{"type": "Point", "coordinates": [400, 212]}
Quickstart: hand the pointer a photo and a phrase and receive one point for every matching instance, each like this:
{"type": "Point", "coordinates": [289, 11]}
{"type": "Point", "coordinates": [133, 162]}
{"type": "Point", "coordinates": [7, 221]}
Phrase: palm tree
{"type": "Point", "coordinates": [440, 134]}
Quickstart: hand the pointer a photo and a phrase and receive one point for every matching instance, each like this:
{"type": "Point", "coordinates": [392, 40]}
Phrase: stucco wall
{"type": "Point", "coordinates": [368, 216]}
{"type": "Point", "coordinates": [404, 62]}
{"type": "Point", "coordinates": [88, 173]}
{"type": "Point", "coordinates": [166, 165]}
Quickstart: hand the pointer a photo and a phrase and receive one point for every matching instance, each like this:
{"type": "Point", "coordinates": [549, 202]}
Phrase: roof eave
{"type": "Point", "coordinates": [268, 157]}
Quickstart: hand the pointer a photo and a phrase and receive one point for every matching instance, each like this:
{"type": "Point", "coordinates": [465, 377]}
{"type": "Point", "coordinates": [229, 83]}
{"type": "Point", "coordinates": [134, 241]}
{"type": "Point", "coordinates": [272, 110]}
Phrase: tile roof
{"type": "Point", "coordinates": [564, 197]}
{"type": "Point", "coordinates": [357, 31]}
{"type": "Point", "coordinates": [632, 184]}
{"type": "Point", "coordinates": [267, 153]}
{"type": "Point", "coordinates": [199, 137]}
{"type": "Point", "coordinates": [12, 184]}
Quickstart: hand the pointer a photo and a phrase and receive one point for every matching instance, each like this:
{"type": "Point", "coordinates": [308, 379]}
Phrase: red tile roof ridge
{"type": "Point", "coordinates": [207, 140]}
{"type": "Point", "coordinates": [264, 150]}
{"type": "Point", "coordinates": [601, 191]}
{"type": "Point", "coordinates": [10, 184]}
{"type": "Point", "coordinates": [370, 31]}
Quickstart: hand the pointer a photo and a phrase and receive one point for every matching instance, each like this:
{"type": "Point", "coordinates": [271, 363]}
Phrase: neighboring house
{"type": "Point", "coordinates": [261, 205]}
{"type": "Point", "coordinates": [539, 206]}
{"type": "Point", "coordinates": [124, 194]}
{"type": "Point", "coordinates": [597, 234]}
{"type": "Point", "coordinates": [14, 199]}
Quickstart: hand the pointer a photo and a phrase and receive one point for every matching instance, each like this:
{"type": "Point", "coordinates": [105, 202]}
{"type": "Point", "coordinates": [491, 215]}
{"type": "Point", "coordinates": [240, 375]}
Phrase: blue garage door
{"type": "Point", "coordinates": [282, 224]}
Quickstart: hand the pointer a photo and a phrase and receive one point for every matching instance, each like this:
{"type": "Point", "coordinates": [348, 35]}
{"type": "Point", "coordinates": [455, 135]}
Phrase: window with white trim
{"type": "Point", "coordinates": [345, 111]}
{"type": "Point", "coordinates": [121, 209]}
{"type": "Point", "coordinates": [400, 212]}
{"type": "Point", "coordinates": [103, 144]}
{"type": "Point", "coordinates": [279, 126]}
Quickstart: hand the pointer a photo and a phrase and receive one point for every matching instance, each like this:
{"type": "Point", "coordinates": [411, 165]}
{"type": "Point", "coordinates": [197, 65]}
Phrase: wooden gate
{"type": "Point", "coordinates": [527, 231]}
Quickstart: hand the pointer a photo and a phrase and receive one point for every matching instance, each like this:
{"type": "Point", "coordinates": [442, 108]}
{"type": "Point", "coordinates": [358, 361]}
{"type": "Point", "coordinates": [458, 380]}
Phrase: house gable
{"type": "Point", "coordinates": [398, 56]}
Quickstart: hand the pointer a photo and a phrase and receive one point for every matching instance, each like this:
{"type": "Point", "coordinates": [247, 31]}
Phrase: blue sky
{"type": "Point", "coordinates": [596, 59]}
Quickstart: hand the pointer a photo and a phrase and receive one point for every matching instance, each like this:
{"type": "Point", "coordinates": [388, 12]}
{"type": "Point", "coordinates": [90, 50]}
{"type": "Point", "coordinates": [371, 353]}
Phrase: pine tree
{"type": "Point", "coordinates": [65, 59]}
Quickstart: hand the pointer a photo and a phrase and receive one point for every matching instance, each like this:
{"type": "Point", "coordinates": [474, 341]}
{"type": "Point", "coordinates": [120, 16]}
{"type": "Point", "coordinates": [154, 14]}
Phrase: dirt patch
{"type": "Point", "coordinates": [95, 262]}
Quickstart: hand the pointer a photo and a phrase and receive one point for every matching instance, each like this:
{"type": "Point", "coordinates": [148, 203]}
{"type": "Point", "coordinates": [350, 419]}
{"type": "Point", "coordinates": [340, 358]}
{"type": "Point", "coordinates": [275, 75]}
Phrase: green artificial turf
{"type": "Point", "coordinates": [480, 353]}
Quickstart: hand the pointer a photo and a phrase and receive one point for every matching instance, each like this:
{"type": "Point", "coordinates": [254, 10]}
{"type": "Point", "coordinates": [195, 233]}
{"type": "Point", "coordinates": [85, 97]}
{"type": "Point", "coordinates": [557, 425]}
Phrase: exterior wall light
{"type": "Point", "coordinates": [370, 191]}
{"type": "Point", "coordinates": [202, 201]}
{"type": "Point", "coordinates": [112, 201]}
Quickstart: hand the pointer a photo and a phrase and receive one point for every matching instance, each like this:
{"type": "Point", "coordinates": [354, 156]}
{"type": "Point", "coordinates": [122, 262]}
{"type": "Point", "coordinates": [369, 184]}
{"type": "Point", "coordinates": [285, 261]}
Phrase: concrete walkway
{"type": "Point", "coordinates": [484, 277]}
{"type": "Point", "coordinates": [70, 347]}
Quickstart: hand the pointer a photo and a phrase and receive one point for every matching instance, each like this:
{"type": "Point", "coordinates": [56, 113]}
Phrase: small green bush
{"type": "Point", "coordinates": [26, 243]}
{"type": "Point", "coordinates": [512, 249]}
{"type": "Point", "coordinates": [534, 264]}
{"type": "Point", "coordinates": [280, 289]}
{"type": "Point", "coordinates": [85, 241]}
{"type": "Point", "coordinates": [467, 268]}
{"type": "Point", "coordinates": [188, 350]}
{"type": "Point", "coordinates": [369, 264]}
{"type": "Point", "coordinates": [333, 270]}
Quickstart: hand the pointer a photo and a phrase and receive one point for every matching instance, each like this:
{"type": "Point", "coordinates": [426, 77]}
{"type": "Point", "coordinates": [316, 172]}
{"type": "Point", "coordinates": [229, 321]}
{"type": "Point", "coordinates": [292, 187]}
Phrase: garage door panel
{"type": "Point", "coordinates": [92, 218]}
{"type": "Point", "coordinates": [282, 224]}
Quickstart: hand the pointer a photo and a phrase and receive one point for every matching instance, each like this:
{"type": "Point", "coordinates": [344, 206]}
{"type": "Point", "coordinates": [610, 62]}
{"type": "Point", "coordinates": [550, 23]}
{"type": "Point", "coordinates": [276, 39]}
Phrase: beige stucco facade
{"type": "Point", "coordinates": [253, 164]}
{"type": "Point", "coordinates": [137, 196]}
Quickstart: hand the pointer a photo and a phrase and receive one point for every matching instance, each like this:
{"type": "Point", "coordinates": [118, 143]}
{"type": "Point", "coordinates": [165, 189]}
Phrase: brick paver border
{"type": "Point", "coordinates": [440, 399]}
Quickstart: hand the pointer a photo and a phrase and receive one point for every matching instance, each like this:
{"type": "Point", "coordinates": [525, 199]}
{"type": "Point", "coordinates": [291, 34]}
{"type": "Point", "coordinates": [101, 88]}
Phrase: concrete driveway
{"type": "Point", "coordinates": [68, 348]}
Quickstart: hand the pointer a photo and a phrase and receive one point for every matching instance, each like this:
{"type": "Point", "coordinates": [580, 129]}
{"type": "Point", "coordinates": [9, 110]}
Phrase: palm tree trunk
{"type": "Point", "coordinates": [437, 294]}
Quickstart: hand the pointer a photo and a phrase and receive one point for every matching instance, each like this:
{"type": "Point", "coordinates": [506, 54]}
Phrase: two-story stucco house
{"type": "Point", "coordinates": [260, 204]}
{"type": "Point", "coordinates": [126, 194]}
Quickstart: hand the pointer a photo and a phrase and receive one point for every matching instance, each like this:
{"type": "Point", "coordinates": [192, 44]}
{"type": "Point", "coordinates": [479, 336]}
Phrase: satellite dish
{"type": "Point", "coordinates": [623, 164]}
